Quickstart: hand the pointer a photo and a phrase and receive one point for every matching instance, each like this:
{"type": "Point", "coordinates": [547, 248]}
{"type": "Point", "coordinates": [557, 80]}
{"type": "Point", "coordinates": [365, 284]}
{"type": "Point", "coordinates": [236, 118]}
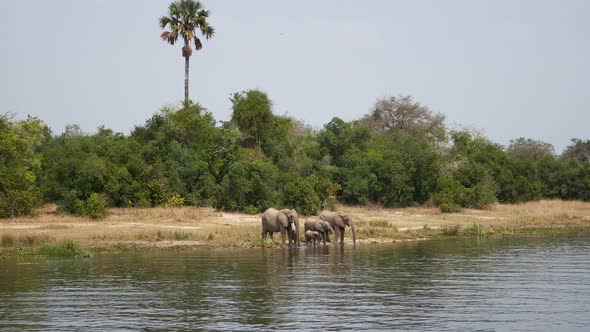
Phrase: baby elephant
{"type": "Point", "coordinates": [320, 226]}
{"type": "Point", "coordinates": [312, 237]}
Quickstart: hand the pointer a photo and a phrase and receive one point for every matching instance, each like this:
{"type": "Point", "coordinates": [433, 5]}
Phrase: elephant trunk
{"type": "Point", "coordinates": [353, 234]}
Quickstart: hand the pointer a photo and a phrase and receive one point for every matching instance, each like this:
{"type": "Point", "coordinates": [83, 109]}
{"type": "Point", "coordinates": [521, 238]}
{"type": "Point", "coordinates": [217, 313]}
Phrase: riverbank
{"type": "Point", "coordinates": [186, 227]}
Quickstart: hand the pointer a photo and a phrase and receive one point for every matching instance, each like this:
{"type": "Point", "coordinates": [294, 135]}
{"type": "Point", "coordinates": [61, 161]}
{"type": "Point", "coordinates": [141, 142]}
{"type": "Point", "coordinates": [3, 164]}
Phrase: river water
{"type": "Point", "coordinates": [512, 284]}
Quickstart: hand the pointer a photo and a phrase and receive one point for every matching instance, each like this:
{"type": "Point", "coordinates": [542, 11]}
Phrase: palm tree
{"type": "Point", "coordinates": [184, 19]}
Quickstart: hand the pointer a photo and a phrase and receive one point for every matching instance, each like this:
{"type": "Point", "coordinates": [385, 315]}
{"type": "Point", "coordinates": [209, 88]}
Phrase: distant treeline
{"type": "Point", "coordinates": [399, 154]}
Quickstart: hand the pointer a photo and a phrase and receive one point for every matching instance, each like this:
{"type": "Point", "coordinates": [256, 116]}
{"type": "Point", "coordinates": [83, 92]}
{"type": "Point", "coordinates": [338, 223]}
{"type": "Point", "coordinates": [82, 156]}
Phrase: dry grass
{"type": "Point", "coordinates": [204, 226]}
{"type": "Point", "coordinates": [546, 210]}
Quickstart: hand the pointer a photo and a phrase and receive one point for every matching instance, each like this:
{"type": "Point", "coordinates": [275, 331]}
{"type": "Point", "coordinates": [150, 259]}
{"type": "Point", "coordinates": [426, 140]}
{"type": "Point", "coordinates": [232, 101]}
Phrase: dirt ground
{"type": "Point", "coordinates": [192, 226]}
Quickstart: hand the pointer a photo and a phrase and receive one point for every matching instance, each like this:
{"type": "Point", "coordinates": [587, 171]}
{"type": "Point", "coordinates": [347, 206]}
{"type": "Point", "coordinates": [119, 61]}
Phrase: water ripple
{"type": "Point", "coordinates": [524, 285]}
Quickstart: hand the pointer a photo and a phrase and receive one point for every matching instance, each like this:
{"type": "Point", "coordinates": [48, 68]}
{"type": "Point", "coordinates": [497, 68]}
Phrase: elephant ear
{"type": "Point", "coordinates": [338, 221]}
{"type": "Point", "coordinates": [284, 219]}
{"type": "Point", "coordinates": [345, 218]}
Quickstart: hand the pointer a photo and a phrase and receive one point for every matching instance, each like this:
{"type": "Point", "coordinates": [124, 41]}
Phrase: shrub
{"type": "Point", "coordinates": [70, 203]}
{"type": "Point", "coordinates": [251, 209]}
{"type": "Point", "coordinates": [449, 208]}
{"type": "Point", "coordinates": [62, 249]}
{"type": "Point", "coordinates": [481, 195]}
{"type": "Point", "coordinates": [449, 194]}
{"type": "Point", "coordinates": [298, 193]}
{"type": "Point", "coordinates": [175, 200]}
{"type": "Point", "coordinates": [476, 230]}
{"type": "Point", "coordinates": [95, 207]}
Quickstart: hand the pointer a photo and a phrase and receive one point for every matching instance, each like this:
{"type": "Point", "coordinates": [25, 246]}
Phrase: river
{"type": "Point", "coordinates": [520, 284]}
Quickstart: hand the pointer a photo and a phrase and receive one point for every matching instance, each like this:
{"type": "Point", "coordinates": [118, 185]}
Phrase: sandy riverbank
{"type": "Point", "coordinates": [189, 226]}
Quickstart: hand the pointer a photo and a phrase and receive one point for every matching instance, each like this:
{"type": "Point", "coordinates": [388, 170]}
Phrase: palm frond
{"type": "Point", "coordinates": [174, 9]}
{"type": "Point", "coordinates": [208, 31]}
{"type": "Point", "coordinates": [164, 21]}
{"type": "Point", "coordinates": [203, 13]}
{"type": "Point", "coordinates": [169, 36]}
{"type": "Point", "coordinates": [198, 44]}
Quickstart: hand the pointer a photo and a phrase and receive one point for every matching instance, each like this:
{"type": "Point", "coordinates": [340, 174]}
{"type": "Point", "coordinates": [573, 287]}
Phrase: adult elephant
{"type": "Point", "coordinates": [320, 226]}
{"type": "Point", "coordinates": [339, 221]}
{"type": "Point", "coordinates": [285, 221]}
{"type": "Point", "coordinates": [295, 233]}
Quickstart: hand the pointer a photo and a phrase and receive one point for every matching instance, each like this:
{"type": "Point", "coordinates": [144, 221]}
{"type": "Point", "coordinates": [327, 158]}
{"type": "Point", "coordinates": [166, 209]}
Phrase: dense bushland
{"type": "Point", "coordinates": [399, 154]}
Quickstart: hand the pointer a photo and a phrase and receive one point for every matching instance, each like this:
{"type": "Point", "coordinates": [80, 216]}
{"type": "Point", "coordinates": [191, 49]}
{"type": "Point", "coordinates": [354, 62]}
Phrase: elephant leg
{"type": "Point", "coordinates": [282, 236]}
{"type": "Point", "coordinates": [336, 234]}
{"type": "Point", "coordinates": [270, 234]}
{"type": "Point", "coordinates": [342, 236]}
{"type": "Point", "coordinates": [264, 235]}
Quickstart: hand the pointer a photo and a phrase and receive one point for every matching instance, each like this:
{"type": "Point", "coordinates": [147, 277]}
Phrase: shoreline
{"type": "Point", "coordinates": [186, 228]}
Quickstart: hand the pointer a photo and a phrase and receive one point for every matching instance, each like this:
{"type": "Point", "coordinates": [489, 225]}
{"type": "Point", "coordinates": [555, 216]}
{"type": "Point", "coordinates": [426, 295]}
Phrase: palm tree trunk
{"type": "Point", "coordinates": [186, 78]}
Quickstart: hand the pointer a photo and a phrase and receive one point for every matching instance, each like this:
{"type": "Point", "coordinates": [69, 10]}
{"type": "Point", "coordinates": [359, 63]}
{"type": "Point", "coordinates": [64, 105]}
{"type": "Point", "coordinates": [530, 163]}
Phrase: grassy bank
{"type": "Point", "coordinates": [139, 229]}
{"type": "Point", "coordinates": [49, 249]}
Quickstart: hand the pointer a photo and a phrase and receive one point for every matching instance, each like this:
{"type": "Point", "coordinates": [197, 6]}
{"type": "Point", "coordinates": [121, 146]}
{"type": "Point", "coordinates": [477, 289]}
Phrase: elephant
{"type": "Point", "coordinates": [320, 226]}
{"type": "Point", "coordinates": [339, 221]}
{"type": "Point", "coordinates": [284, 221]}
{"type": "Point", "coordinates": [295, 234]}
{"type": "Point", "coordinates": [312, 237]}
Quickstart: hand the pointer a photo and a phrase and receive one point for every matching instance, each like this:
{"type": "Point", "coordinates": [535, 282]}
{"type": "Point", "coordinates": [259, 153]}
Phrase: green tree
{"type": "Point", "coordinates": [252, 114]}
{"type": "Point", "coordinates": [249, 185]}
{"type": "Point", "coordinates": [522, 147]}
{"type": "Point", "coordinates": [378, 174]}
{"type": "Point", "coordinates": [471, 172]}
{"type": "Point", "coordinates": [299, 193]}
{"type": "Point", "coordinates": [19, 164]}
{"type": "Point", "coordinates": [579, 149]}
{"type": "Point", "coordinates": [184, 18]}
{"type": "Point", "coordinates": [338, 136]}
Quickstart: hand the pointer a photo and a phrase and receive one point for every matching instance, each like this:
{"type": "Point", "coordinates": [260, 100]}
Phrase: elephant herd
{"type": "Point", "coordinates": [286, 222]}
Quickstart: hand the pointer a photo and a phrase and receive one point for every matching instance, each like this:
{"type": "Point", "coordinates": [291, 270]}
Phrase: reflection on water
{"type": "Point", "coordinates": [532, 284]}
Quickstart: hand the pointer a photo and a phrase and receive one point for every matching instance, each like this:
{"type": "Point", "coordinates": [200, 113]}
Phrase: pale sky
{"type": "Point", "coordinates": [511, 68]}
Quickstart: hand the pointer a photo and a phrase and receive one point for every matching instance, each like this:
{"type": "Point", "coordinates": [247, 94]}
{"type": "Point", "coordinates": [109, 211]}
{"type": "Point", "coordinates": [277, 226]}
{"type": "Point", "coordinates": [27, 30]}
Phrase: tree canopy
{"type": "Point", "coordinates": [393, 157]}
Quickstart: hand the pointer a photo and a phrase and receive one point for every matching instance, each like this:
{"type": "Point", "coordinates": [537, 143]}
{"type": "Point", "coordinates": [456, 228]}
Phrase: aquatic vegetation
{"type": "Point", "coordinates": [50, 249]}
{"type": "Point", "coordinates": [476, 230]}
{"type": "Point", "coordinates": [61, 249]}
